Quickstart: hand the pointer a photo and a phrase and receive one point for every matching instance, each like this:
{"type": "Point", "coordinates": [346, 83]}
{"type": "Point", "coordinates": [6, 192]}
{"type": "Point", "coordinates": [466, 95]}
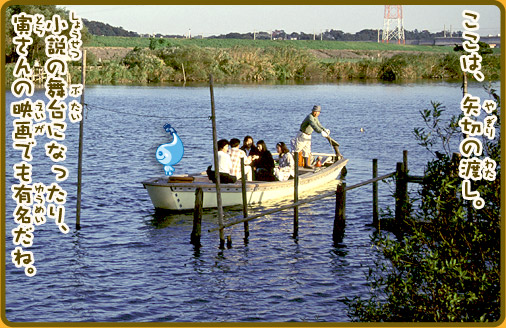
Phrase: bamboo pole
{"type": "Point", "coordinates": [244, 200]}
{"type": "Point", "coordinates": [296, 197]}
{"type": "Point", "coordinates": [80, 156]}
{"type": "Point", "coordinates": [197, 217]}
{"type": "Point", "coordinates": [375, 220]}
{"type": "Point", "coordinates": [216, 165]}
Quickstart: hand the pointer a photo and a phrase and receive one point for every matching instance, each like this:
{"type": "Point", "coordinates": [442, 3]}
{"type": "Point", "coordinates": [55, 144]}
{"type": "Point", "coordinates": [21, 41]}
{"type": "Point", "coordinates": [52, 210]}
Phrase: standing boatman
{"type": "Point", "coordinates": [302, 142]}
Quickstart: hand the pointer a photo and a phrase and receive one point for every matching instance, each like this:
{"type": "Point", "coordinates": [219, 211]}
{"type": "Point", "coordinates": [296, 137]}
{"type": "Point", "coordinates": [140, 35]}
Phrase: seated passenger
{"type": "Point", "coordinates": [286, 167]}
{"type": "Point", "coordinates": [264, 165]}
{"type": "Point", "coordinates": [249, 146]}
{"type": "Point", "coordinates": [235, 155]}
{"type": "Point", "coordinates": [224, 164]}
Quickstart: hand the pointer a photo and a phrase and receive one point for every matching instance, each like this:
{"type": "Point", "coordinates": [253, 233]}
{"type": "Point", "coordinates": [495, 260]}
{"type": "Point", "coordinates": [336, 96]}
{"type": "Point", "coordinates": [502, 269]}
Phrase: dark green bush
{"type": "Point", "coordinates": [445, 265]}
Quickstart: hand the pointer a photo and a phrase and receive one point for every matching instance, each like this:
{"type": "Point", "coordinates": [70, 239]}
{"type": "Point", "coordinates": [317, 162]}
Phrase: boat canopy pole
{"type": "Point", "coordinates": [216, 166]}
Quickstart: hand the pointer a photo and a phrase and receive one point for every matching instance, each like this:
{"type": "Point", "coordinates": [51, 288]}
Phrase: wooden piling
{"type": "Point", "coordinates": [375, 219]}
{"type": "Point", "coordinates": [244, 200]}
{"type": "Point", "coordinates": [339, 219]}
{"type": "Point", "coordinates": [401, 194]}
{"type": "Point", "coordinates": [80, 156]}
{"type": "Point", "coordinates": [296, 198]}
{"type": "Point", "coordinates": [405, 161]}
{"type": "Point", "coordinates": [216, 165]}
{"type": "Point", "coordinates": [197, 217]}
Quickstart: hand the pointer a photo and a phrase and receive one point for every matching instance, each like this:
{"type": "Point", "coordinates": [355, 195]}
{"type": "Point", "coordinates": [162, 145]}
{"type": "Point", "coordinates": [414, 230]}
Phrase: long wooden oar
{"type": "Point", "coordinates": [335, 145]}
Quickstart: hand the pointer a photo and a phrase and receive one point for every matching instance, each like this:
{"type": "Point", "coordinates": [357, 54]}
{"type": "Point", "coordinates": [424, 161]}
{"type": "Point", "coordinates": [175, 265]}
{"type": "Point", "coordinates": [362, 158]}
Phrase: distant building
{"type": "Point", "coordinates": [493, 41]}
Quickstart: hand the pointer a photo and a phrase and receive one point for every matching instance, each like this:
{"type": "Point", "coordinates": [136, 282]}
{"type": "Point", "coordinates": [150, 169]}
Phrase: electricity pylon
{"type": "Point", "coordinates": [393, 24]}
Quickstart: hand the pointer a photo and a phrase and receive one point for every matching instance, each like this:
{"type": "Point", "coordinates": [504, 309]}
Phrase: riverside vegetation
{"type": "Point", "coordinates": [164, 60]}
{"type": "Point", "coordinates": [444, 264]}
{"type": "Point", "coordinates": [247, 60]}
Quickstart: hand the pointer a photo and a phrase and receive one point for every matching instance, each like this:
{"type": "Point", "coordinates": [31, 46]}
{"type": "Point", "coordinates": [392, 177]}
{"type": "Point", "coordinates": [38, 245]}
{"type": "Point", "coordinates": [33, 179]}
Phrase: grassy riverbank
{"type": "Point", "coordinates": [108, 41]}
{"type": "Point", "coordinates": [174, 60]}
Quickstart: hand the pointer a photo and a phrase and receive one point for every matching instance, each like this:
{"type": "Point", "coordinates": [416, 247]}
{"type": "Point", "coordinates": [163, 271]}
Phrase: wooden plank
{"type": "Point", "coordinates": [383, 177]}
{"type": "Point", "coordinates": [306, 201]}
{"type": "Point", "coordinates": [275, 210]}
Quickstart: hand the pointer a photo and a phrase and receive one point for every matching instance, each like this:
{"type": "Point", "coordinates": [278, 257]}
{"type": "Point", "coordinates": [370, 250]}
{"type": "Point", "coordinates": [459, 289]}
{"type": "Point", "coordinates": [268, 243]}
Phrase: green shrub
{"type": "Point", "coordinates": [445, 264]}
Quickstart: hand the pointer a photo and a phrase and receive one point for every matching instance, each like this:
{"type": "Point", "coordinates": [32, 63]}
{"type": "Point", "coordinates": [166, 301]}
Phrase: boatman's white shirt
{"type": "Point", "coordinates": [224, 162]}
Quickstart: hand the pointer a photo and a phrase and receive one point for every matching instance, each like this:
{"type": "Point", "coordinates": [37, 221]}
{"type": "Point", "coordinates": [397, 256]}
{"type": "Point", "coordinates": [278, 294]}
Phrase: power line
{"type": "Point", "coordinates": [93, 107]}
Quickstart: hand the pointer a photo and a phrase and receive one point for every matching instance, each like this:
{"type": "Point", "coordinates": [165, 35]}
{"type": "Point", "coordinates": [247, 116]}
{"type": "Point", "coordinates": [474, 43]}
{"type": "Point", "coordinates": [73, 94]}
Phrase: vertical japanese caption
{"type": "Point", "coordinates": [35, 201]}
{"type": "Point", "coordinates": [471, 166]}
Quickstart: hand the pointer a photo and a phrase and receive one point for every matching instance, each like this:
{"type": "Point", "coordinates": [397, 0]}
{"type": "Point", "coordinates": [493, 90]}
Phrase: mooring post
{"type": "Point", "coordinates": [244, 199]}
{"type": "Point", "coordinates": [80, 156]}
{"type": "Point", "coordinates": [339, 220]}
{"type": "Point", "coordinates": [216, 165]}
{"type": "Point", "coordinates": [375, 220]}
{"type": "Point", "coordinates": [296, 197]}
{"type": "Point", "coordinates": [405, 161]}
{"type": "Point", "coordinates": [197, 217]}
{"type": "Point", "coordinates": [401, 191]}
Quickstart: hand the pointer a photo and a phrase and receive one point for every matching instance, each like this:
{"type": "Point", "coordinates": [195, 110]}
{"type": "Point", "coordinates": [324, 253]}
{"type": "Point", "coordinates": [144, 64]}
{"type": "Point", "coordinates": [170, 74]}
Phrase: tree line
{"type": "Point", "coordinates": [334, 35]}
{"type": "Point", "coordinates": [98, 28]}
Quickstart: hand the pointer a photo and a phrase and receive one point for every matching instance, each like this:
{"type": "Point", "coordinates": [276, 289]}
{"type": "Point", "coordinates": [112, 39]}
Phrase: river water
{"type": "Point", "coordinates": [129, 264]}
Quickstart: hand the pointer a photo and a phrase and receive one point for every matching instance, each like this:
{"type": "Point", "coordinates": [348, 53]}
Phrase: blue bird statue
{"type": "Point", "coordinates": [170, 154]}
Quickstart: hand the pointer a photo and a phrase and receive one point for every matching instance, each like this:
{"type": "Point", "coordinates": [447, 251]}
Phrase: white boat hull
{"type": "Point", "coordinates": [181, 196]}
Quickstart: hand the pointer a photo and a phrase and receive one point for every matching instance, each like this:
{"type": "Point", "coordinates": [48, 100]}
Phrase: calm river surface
{"type": "Point", "coordinates": [128, 264]}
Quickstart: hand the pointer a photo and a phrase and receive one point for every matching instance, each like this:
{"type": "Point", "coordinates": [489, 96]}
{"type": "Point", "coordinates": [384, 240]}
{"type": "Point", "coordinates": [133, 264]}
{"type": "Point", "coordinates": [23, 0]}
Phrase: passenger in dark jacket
{"type": "Point", "coordinates": [249, 146]}
{"type": "Point", "coordinates": [264, 165]}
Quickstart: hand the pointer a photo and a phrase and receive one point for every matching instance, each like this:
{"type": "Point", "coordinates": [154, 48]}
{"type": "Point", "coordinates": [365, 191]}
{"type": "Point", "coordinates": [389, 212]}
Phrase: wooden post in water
{"type": "Point", "coordinates": [405, 161]}
{"type": "Point", "coordinates": [375, 219]}
{"type": "Point", "coordinates": [339, 219]}
{"type": "Point", "coordinates": [80, 156]}
{"type": "Point", "coordinates": [216, 165]}
{"type": "Point", "coordinates": [296, 197]}
{"type": "Point", "coordinates": [401, 194]}
{"type": "Point", "coordinates": [197, 217]}
{"type": "Point", "coordinates": [244, 200]}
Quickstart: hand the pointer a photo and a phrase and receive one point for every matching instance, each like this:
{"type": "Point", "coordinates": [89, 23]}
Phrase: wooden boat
{"type": "Point", "coordinates": [177, 193]}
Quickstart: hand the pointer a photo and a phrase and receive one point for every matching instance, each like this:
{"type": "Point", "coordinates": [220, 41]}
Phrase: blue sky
{"type": "Point", "coordinates": [214, 20]}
